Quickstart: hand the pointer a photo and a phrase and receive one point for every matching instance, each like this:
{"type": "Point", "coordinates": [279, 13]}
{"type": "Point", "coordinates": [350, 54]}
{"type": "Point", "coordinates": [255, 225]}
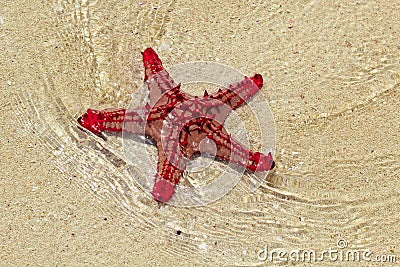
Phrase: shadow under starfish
{"type": "Point", "coordinates": [178, 123]}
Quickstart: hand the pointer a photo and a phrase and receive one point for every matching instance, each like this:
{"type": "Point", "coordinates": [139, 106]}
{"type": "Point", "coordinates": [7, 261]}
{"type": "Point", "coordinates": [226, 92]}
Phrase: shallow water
{"type": "Point", "coordinates": [333, 89]}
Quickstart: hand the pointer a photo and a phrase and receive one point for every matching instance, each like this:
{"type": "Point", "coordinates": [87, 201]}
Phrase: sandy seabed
{"type": "Point", "coordinates": [331, 76]}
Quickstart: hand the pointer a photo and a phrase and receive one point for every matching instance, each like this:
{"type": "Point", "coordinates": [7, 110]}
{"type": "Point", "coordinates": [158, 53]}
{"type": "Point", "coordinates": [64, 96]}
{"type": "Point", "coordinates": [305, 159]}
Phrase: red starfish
{"type": "Point", "coordinates": [178, 122]}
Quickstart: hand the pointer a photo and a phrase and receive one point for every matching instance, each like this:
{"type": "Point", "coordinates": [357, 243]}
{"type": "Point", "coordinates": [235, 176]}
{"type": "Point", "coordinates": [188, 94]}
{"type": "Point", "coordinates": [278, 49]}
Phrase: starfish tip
{"type": "Point", "coordinates": [163, 191]}
{"type": "Point", "coordinates": [258, 80]}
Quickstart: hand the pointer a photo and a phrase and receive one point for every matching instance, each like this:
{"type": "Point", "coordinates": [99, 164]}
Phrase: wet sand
{"type": "Point", "coordinates": [331, 79]}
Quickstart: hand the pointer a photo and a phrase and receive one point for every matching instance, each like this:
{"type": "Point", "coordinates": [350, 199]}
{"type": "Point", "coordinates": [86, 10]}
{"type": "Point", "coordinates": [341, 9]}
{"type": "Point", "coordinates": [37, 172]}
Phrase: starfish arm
{"type": "Point", "coordinates": [156, 77]}
{"type": "Point", "coordinates": [152, 63]}
{"type": "Point", "coordinates": [166, 178]}
{"type": "Point", "coordinates": [228, 149]}
{"type": "Point", "coordinates": [112, 120]}
{"type": "Point", "coordinates": [237, 94]}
